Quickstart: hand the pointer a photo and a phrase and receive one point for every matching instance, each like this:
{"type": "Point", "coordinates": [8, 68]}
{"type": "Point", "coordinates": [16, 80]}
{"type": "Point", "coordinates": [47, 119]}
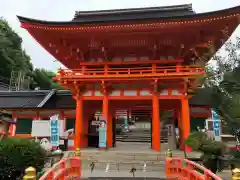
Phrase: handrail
{"type": "Point", "coordinates": [183, 168]}
{"type": "Point", "coordinates": [132, 71]}
{"type": "Point", "coordinates": [176, 168]}
{"type": "Point", "coordinates": [67, 167]}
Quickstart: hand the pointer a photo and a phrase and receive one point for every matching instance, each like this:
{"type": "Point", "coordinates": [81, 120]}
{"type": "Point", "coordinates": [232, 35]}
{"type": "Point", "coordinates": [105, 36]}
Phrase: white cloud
{"type": "Point", "coordinates": [62, 10]}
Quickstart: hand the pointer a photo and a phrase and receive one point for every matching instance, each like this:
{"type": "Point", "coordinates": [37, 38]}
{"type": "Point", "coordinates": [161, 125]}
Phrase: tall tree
{"type": "Point", "coordinates": [14, 58]}
{"type": "Point", "coordinates": [43, 78]}
{"type": "Point", "coordinates": [223, 82]}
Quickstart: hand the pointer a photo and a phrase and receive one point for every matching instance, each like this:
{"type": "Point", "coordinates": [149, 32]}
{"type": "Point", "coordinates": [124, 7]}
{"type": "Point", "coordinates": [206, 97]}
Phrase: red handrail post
{"type": "Point", "coordinates": [168, 162]}
{"type": "Point", "coordinates": [50, 176]}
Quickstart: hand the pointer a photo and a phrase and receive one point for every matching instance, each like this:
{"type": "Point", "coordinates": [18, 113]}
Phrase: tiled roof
{"type": "Point", "coordinates": [22, 99]}
{"type": "Point", "coordinates": [133, 13]}
{"type": "Point", "coordinates": [63, 99]}
{"type": "Point", "coordinates": [180, 12]}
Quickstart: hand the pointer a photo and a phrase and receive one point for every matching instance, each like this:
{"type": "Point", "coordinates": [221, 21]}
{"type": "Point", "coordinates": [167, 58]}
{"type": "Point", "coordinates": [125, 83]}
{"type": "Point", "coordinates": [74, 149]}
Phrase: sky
{"type": "Point", "coordinates": [63, 10]}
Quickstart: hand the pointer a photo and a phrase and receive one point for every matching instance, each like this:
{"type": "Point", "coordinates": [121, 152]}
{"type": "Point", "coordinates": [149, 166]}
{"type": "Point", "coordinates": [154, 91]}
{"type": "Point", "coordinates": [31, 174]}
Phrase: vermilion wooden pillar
{"type": "Point", "coordinates": [110, 131]}
{"type": "Point", "coordinates": [185, 121]}
{"type": "Point", "coordinates": [108, 117]}
{"type": "Point", "coordinates": [86, 116]}
{"type": "Point", "coordinates": [13, 127]}
{"type": "Point", "coordinates": [155, 123]}
{"type": "Point", "coordinates": [180, 127]}
{"type": "Point", "coordinates": [78, 123]}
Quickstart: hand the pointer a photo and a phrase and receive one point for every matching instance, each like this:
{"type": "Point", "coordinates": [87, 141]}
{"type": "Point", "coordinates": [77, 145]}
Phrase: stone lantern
{"type": "Point", "coordinates": [5, 122]}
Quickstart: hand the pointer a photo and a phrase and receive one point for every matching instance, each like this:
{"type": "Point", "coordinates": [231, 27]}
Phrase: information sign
{"type": "Point", "coordinates": [216, 125]}
{"type": "Point", "coordinates": [102, 134]}
{"type": "Point", "coordinates": [54, 131]}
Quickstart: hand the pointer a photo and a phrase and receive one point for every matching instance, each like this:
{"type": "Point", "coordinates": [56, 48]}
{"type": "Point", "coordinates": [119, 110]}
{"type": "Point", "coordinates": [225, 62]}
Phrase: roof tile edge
{"type": "Point", "coordinates": [187, 7]}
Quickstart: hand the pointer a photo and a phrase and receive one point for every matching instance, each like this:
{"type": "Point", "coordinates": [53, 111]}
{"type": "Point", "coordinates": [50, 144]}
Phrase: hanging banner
{"type": "Point", "coordinates": [216, 125]}
{"type": "Point", "coordinates": [54, 131]}
{"type": "Point", "coordinates": [102, 134]}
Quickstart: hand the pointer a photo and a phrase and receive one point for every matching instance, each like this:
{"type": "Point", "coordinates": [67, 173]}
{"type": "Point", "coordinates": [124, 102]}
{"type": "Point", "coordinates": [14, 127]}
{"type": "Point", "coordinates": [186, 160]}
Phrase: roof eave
{"type": "Point", "coordinates": [187, 7]}
{"type": "Point", "coordinates": [232, 10]}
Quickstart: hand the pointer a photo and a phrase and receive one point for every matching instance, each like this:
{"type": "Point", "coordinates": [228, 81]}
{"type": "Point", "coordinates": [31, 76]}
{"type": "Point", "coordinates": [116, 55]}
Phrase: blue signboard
{"type": "Point", "coordinates": [216, 125]}
{"type": "Point", "coordinates": [102, 134]}
{"type": "Point", "coordinates": [54, 128]}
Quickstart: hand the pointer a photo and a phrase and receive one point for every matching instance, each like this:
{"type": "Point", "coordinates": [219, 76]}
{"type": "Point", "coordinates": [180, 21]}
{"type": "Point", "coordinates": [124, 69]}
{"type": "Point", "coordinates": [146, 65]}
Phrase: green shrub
{"type": "Point", "coordinates": [18, 154]}
{"type": "Point", "coordinates": [196, 140]}
{"type": "Point", "coordinates": [213, 151]}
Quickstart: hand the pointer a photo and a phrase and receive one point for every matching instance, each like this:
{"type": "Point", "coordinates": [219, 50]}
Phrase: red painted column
{"type": "Point", "coordinates": [38, 117]}
{"type": "Point", "coordinates": [109, 131]}
{"type": "Point", "coordinates": [86, 117]}
{"type": "Point", "coordinates": [185, 121]}
{"type": "Point", "coordinates": [180, 127]}
{"type": "Point", "coordinates": [13, 127]}
{"type": "Point", "coordinates": [155, 124]}
{"type": "Point", "coordinates": [106, 115]}
{"type": "Point", "coordinates": [78, 122]}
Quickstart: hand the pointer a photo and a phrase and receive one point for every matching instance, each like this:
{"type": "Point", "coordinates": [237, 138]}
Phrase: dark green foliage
{"type": "Point", "coordinates": [213, 151]}
{"type": "Point", "coordinates": [14, 58]}
{"type": "Point", "coordinates": [18, 154]}
{"type": "Point", "coordinates": [196, 140]}
{"type": "Point", "coordinates": [43, 78]}
{"type": "Point", "coordinates": [223, 82]}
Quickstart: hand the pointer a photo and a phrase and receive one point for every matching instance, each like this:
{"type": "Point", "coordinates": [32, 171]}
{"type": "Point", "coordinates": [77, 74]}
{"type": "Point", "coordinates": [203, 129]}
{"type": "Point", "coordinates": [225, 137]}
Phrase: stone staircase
{"type": "Point", "coordinates": [143, 136]}
{"type": "Point", "coordinates": [118, 162]}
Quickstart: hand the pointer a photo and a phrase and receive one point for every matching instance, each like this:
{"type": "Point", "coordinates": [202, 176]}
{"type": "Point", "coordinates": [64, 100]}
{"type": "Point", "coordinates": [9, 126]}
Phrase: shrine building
{"type": "Point", "coordinates": [146, 57]}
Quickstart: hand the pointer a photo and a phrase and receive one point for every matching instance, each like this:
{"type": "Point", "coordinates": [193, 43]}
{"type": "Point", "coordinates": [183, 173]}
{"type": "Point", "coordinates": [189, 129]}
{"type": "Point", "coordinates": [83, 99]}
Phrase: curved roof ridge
{"type": "Point", "coordinates": [85, 20]}
{"type": "Point", "coordinates": [187, 7]}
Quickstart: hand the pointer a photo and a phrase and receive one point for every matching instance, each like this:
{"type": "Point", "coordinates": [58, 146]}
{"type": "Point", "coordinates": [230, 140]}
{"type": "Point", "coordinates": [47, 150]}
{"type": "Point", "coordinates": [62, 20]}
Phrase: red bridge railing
{"type": "Point", "coordinates": [67, 168]}
{"type": "Point", "coordinates": [183, 169]}
{"type": "Point", "coordinates": [176, 169]}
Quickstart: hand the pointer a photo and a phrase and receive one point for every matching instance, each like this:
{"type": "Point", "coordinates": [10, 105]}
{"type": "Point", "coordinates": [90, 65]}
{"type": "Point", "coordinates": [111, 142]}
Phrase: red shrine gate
{"type": "Point", "coordinates": [145, 56]}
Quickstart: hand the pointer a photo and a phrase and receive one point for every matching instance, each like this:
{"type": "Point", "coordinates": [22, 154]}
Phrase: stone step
{"type": "Point", "coordinates": [140, 140]}
{"type": "Point", "coordinates": [159, 162]}
{"type": "Point", "coordinates": [119, 157]}
{"type": "Point", "coordinates": [124, 174]}
{"type": "Point", "coordinates": [137, 155]}
{"type": "Point", "coordinates": [120, 166]}
{"type": "Point", "coordinates": [137, 140]}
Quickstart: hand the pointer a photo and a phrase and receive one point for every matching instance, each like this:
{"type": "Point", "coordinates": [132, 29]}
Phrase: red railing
{"type": "Point", "coordinates": [135, 71]}
{"type": "Point", "coordinates": [68, 168]}
{"type": "Point", "coordinates": [183, 169]}
{"type": "Point", "coordinates": [176, 168]}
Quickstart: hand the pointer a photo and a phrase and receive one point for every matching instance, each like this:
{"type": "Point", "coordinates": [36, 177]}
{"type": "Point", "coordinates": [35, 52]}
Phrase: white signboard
{"type": "Point", "coordinates": [41, 128]}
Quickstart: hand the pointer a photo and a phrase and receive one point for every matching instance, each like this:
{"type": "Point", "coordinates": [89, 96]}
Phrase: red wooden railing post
{"type": "Point", "coordinates": [67, 168]}
{"type": "Point", "coordinates": [175, 168]}
{"type": "Point", "coordinates": [50, 176]}
{"type": "Point", "coordinates": [168, 162]}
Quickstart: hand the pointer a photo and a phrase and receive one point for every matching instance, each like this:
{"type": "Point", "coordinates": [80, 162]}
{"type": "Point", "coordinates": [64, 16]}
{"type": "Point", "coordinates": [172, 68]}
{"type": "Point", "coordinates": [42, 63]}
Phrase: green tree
{"type": "Point", "coordinates": [43, 78]}
{"type": "Point", "coordinates": [18, 154]}
{"type": "Point", "coordinates": [14, 58]}
{"type": "Point", "coordinates": [223, 82]}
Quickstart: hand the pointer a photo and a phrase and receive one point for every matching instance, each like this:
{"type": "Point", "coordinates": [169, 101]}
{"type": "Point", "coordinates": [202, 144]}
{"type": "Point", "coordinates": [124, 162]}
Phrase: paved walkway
{"type": "Point", "coordinates": [139, 149]}
{"type": "Point", "coordinates": [98, 173]}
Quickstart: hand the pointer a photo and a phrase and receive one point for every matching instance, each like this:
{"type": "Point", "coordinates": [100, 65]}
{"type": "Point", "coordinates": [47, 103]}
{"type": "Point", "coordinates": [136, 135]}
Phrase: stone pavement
{"type": "Point", "coordinates": [115, 173]}
{"type": "Point", "coordinates": [118, 162]}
